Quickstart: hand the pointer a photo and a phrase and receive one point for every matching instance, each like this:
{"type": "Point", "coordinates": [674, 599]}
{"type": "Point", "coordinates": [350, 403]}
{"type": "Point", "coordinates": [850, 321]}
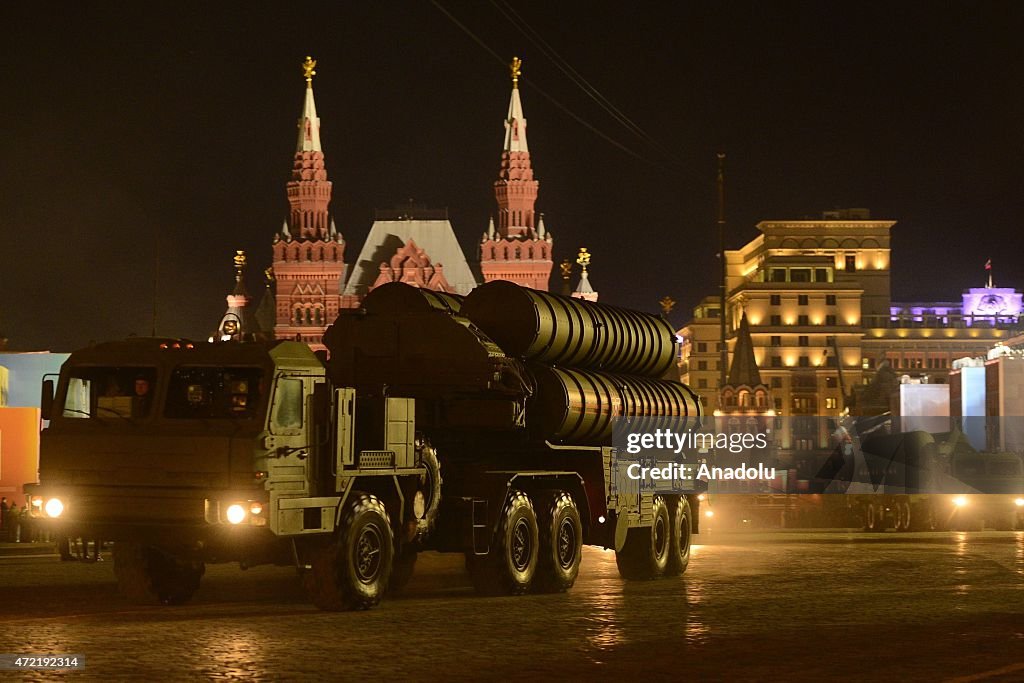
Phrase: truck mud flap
{"type": "Point", "coordinates": [480, 530]}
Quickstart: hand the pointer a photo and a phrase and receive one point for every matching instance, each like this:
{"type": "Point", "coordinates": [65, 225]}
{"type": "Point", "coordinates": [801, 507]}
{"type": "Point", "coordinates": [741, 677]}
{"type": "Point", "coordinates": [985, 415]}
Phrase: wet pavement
{"type": "Point", "coordinates": [768, 606]}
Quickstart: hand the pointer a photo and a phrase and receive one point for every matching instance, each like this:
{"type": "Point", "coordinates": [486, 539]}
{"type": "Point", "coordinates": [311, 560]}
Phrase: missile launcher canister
{"type": "Point", "coordinates": [504, 352]}
{"type": "Point", "coordinates": [563, 331]}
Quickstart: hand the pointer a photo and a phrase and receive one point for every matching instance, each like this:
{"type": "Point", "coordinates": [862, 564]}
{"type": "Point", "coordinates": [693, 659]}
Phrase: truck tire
{"type": "Point", "coordinates": [647, 549]}
{"type": "Point", "coordinates": [560, 543]}
{"type": "Point", "coordinates": [679, 551]}
{"type": "Point", "coordinates": [873, 517]}
{"type": "Point", "coordinates": [510, 567]}
{"type": "Point", "coordinates": [905, 516]}
{"type": "Point", "coordinates": [351, 570]}
{"type": "Point", "coordinates": [403, 567]}
{"type": "Point", "coordinates": [146, 574]}
{"type": "Point", "coordinates": [427, 500]}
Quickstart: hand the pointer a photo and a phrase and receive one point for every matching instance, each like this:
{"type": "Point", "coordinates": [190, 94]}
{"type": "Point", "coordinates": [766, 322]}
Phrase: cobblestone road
{"type": "Point", "coordinates": [773, 606]}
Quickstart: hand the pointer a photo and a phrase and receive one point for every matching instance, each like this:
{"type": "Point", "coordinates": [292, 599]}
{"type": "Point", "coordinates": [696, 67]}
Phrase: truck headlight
{"type": "Point", "coordinates": [960, 501]}
{"type": "Point", "coordinates": [1019, 502]}
{"type": "Point", "coordinates": [235, 514]}
{"type": "Point", "coordinates": [54, 507]}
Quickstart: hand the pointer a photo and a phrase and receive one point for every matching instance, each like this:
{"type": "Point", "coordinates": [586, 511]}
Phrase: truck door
{"type": "Point", "coordinates": [291, 434]}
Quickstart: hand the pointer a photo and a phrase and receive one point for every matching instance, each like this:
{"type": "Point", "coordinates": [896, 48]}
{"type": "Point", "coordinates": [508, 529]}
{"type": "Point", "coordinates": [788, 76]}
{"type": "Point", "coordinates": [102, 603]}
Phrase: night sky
{"type": "Point", "coordinates": [128, 130]}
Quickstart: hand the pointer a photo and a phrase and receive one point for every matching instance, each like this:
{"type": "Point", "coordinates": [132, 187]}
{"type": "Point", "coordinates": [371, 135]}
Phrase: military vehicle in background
{"type": "Point", "coordinates": [479, 425]}
{"type": "Point", "coordinates": [934, 482]}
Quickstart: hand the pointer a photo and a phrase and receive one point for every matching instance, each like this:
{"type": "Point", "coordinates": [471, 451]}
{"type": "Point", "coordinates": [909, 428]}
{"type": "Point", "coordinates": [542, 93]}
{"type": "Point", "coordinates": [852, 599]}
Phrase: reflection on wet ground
{"type": "Point", "coordinates": [768, 606]}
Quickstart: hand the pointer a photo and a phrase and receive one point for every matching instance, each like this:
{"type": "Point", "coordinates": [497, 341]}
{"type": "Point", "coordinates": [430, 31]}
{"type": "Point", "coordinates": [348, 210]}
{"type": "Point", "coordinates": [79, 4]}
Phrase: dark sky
{"type": "Point", "coordinates": [127, 125]}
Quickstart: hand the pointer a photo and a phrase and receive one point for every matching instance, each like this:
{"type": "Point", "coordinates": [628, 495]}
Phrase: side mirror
{"type": "Point", "coordinates": [46, 400]}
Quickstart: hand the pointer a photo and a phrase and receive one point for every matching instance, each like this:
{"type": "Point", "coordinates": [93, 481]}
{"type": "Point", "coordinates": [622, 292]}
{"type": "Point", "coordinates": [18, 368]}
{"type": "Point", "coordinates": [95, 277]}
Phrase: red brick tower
{"type": "Point", "coordinates": [520, 248]}
{"type": "Point", "coordinates": [309, 266]}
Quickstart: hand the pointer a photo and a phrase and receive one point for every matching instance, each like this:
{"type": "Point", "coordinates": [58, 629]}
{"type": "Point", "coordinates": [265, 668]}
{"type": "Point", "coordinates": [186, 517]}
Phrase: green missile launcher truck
{"type": "Point", "coordinates": [430, 427]}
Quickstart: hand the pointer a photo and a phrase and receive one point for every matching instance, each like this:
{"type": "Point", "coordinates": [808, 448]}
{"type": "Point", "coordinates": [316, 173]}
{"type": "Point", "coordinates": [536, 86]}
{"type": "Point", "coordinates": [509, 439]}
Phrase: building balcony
{"type": "Point", "coordinates": [949, 321]}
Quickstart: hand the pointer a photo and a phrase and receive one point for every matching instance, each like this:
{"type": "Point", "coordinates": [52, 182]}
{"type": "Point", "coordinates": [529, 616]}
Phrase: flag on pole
{"type": "Point", "coordinates": [988, 264]}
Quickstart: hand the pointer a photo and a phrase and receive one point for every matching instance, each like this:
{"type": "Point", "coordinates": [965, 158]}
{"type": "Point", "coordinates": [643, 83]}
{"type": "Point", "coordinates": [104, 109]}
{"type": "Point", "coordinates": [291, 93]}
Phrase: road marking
{"type": "Point", "coordinates": [1009, 669]}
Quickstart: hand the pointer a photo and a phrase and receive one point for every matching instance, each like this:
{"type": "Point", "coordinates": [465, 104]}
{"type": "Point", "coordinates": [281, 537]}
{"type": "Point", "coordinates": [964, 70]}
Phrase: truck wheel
{"type": "Point", "coordinates": [645, 554]}
{"type": "Point", "coordinates": [404, 565]}
{"type": "Point", "coordinates": [873, 518]}
{"type": "Point", "coordinates": [560, 543]}
{"type": "Point", "coordinates": [426, 501]}
{"type": "Point", "coordinates": [906, 519]}
{"type": "Point", "coordinates": [679, 551]}
{"type": "Point", "coordinates": [512, 563]}
{"type": "Point", "coordinates": [145, 574]}
{"type": "Point", "coordinates": [351, 570]}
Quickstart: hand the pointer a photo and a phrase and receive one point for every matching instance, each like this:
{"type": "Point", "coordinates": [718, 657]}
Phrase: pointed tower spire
{"type": "Point", "coordinates": [266, 311]}
{"type": "Point", "coordinates": [584, 290]}
{"type": "Point", "coordinates": [541, 232]}
{"type": "Point", "coordinates": [515, 190]}
{"type": "Point", "coordinates": [744, 370]}
{"type": "Point", "coordinates": [236, 320]}
{"type": "Point", "coordinates": [309, 123]}
{"type": "Point", "coordinates": [309, 191]}
{"type": "Point", "coordinates": [516, 249]}
{"type": "Point", "coordinates": [515, 122]}
{"type": "Point", "coordinates": [490, 228]}
{"type": "Point", "coordinates": [309, 256]}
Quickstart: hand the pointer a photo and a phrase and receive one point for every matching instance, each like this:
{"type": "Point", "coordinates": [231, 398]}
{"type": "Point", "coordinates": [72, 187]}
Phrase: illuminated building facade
{"type": "Point", "coordinates": [816, 294]}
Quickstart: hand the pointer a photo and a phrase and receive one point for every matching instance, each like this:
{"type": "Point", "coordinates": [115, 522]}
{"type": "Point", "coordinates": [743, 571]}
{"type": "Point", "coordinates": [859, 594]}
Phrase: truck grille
{"type": "Point", "coordinates": [377, 459]}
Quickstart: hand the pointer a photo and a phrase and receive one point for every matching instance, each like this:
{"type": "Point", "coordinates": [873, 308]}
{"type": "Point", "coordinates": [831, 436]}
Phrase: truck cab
{"type": "Point", "coordinates": [188, 444]}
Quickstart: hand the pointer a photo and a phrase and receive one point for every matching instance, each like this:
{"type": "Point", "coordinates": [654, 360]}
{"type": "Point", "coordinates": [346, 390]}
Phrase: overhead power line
{"type": "Point", "coordinates": [510, 13]}
{"type": "Point", "coordinates": [586, 124]}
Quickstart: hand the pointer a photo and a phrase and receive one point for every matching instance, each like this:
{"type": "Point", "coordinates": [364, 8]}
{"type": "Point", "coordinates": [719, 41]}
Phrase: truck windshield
{"type": "Point", "coordinates": [109, 392]}
{"type": "Point", "coordinates": [203, 392]}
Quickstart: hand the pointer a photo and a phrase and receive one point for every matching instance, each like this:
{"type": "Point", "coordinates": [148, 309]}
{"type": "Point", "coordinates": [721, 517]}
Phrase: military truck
{"type": "Point", "coordinates": [477, 425]}
{"type": "Point", "coordinates": [934, 482]}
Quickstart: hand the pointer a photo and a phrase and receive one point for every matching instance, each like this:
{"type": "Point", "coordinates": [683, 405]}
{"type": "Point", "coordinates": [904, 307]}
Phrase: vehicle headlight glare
{"type": "Point", "coordinates": [235, 513]}
{"type": "Point", "coordinates": [960, 501]}
{"type": "Point", "coordinates": [255, 508]}
{"type": "Point", "coordinates": [54, 507]}
{"type": "Point", "coordinates": [1019, 502]}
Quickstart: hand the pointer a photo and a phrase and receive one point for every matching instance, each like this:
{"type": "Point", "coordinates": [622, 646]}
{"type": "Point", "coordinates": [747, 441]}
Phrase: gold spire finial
{"type": "Point", "coordinates": [268, 275]}
{"type": "Point", "coordinates": [239, 264]}
{"type": "Point", "coordinates": [515, 68]}
{"type": "Point", "coordinates": [309, 70]}
{"type": "Point", "coordinates": [583, 258]}
{"type": "Point", "coordinates": [566, 267]}
{"type": "Point", "coordinates": [667, 303]}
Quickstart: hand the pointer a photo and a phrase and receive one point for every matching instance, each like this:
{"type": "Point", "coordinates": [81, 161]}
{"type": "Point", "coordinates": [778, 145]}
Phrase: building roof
{"type": "Point", "coordinates": [435, 237]}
